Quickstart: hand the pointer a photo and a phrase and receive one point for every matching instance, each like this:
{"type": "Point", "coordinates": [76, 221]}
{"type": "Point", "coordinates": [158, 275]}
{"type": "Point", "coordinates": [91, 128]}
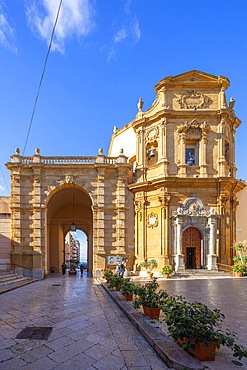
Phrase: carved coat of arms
{"type": "Point", "coordinates": [193, 99]}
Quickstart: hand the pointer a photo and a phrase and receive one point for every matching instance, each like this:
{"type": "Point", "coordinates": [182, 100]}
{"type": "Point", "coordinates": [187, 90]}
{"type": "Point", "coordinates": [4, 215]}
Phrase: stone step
{"type": "Point", "coordinates": [10, 281]}
{"type": "Point", "coordinates": [202, 273]}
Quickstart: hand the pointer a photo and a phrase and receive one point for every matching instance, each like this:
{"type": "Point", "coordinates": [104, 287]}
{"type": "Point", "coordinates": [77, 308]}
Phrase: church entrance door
{"type": "Point", "coordinates": [191, 244]}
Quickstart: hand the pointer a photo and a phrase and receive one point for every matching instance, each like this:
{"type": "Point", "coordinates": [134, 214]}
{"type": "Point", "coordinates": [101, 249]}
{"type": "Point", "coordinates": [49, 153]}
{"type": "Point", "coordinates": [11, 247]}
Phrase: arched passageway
{"type": "Point", "coordinates": [69, 205]}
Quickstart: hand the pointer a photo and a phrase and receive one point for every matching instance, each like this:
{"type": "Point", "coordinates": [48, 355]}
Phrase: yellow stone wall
{"type": "Point", "coordinates": [138, 201]}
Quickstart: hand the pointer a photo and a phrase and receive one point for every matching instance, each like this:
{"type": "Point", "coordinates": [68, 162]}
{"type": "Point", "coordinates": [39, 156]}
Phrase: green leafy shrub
{"type": "Point", "coordinates": [147, 295]}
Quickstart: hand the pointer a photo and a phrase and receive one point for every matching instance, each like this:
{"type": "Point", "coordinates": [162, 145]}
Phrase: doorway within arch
{"type": "Point", "coordinates": [191, 248]}
{"type": "Point", "coordinates": [69, 206]}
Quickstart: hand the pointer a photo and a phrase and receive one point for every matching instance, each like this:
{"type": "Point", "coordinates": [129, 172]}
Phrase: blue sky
{"type": "Point", "coordinates": [106, 54]}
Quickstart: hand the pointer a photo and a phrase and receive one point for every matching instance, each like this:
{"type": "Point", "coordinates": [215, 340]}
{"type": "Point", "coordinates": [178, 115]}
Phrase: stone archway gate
{"type": "Point", "coordinates": [34, 179]}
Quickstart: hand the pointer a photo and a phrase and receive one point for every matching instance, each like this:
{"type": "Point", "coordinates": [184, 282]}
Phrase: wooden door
{"type": "Point", "coordinates": [191, 247]}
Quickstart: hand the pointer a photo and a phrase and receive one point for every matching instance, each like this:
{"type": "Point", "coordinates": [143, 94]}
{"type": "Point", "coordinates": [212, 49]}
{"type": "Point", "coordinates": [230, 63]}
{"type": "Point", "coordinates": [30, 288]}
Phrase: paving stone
{"type": "Point", "coordinates": [15, 363]}
{"type": "Point", "coordinates": [97, 352]}
{"type": "Point", "coordinates": [134, 358]}
{"type": "Point", "coordinates": [70, 351]}
{"type": "Point", "coordinates": [43, 363]}
{"type": "Point", "coordinates": [6, 354]}
{"type": "Point", "coordinates": [110, 362]}
{"type": "Point", "coordinates": [81, 361]}
{"type": "Point", "coordinates": [22, 347]}
{"type": "Point", "coordinates": [59, 343]}
{"type": "Point", "coordinates": [7, 343]}
{"type": "Point", "coordinates": [36, 353]}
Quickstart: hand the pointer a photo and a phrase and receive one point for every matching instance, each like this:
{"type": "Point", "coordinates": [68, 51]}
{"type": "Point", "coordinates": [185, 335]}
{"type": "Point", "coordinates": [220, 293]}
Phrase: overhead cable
{"type": "Point", "coordinates": [4, 179]}
{"type": "Point", "coordinates": [42, 76]}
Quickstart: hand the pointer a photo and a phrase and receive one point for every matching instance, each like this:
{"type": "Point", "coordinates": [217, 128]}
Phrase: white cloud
{"type": "Point", "coordinates": [2, 188]}
{"type": "Point", "coordinates": [7, 33]}
{"type": "Point", "coordinates": [120, 35]}
{"type": "Point", "coordinates": [136, 31]}
{"type": "Point", "coordinates": [76, 18]}
{"type": "Point", "coordinates": [131, 31]}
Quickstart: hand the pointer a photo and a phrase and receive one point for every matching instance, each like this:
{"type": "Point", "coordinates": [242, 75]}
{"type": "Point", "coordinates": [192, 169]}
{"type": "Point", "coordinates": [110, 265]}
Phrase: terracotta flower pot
{"type": "Point", "coordinates": [202, 351]}
{"type": "Point", "coordinates": [151, 275]}
{"type": "Point", "coordinates": [238, 273]}
{"type": "Point", "coordinates": [128, 297]}
{"type": "Point", "coordinates": [152, 313]}
{"type": "Point", "coordinates": [166, 276]}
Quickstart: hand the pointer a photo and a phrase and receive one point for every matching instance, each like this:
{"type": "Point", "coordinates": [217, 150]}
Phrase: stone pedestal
{"type": "Point", "coordinates": [212, 262]}
{"type": "Point", "coordinates": [179, 262]}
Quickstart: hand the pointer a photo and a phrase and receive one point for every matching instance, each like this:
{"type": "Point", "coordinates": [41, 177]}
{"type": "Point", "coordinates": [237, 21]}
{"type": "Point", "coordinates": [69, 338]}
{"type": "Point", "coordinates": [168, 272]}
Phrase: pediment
{"type": "Point", "coordinates": [195, 75]}
{"type": "Point", "coordinates": [192, 78]}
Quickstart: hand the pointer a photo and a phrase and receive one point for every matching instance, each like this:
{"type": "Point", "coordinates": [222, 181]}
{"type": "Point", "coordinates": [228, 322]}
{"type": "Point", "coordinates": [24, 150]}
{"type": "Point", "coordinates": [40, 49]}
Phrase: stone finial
{"type": "Point", "coordinates": [231, 103]}
{"type": "Point", "coordinates": [37, 151]}
{"type": "Point", "coordinates": [100, 151]}
{"type": "Point", "coordinates": [140, 105]}
{"type": "Point", "coordinates": [115, 129]}
{"type": "Point", "coordinates": [17, 151]}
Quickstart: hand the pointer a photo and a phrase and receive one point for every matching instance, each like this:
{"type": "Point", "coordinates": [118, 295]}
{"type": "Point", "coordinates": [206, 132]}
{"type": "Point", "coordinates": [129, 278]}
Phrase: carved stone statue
{"type": "Point", "coordinates": [140, 105]}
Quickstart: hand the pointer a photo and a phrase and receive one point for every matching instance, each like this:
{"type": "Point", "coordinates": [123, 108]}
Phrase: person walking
{"type": "Point", "coordinates": [63, 268]}
{"type": "Point", "coordinates": [81, 268]}
{"type": "Point", "coordinates": [121, 269]}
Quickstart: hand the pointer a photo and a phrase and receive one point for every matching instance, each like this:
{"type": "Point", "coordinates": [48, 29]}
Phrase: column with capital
{"type": "Point", "coordinates": [179, 257]}
{"type": "Point", "coordinates": [212, 257]}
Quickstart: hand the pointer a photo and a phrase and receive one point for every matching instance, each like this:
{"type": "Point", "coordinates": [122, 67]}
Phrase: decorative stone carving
{"type": "Point", "coordinates": [152, 220]}
{"type": "Point", "coordinates": [194, 99]}
{"type": "Point", "coordinates": [193, 207]}
{"type": "Point", "coordinates": [69, 179]}
{"type": "Point", "coordinates": [16, 177]}
{"type": "Point", "coordinates": [193, 128]}
{"type": "Point", "coordinates": [152, 134]}
{"type": "Point", "coordinates": [49, 190]}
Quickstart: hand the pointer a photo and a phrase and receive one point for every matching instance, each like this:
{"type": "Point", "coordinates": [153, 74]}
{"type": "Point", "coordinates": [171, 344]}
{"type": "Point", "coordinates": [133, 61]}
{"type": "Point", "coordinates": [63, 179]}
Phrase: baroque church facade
{"type": "Point", "coordinates": [166, 190]}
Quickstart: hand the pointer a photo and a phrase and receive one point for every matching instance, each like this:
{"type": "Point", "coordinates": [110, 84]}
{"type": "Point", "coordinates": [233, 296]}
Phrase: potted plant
{"type": "Point", "coordinates": [127, 289]}
{"type": "Point", "coordinates": [239, 266]}
{"type": "Point", "coordinates": [239, 269]}
{"type": "Point", "coordinates": [149, 265]}
{"type": "Point", "coordinates": [107, 274]}
{"type": "Point", "coordinates": [115, 281]}
{"type": "Point", "coordinates": [72, 269]}
{"type": "Point", "coordinates": [198, 329]}
{"type": "Point", "coordinates": [166, 271]}
{"type": "Point", "coordinates": [150, 299]}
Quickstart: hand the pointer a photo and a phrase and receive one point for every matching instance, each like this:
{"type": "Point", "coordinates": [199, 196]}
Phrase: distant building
{"type": "Point", "coordinates": [241, 231]}
{"type": "Point", "coordinates": [72, 248]}
{"type": "Point", "coordinates": [166, 190]}
{"type": "Point", "coordinates": [5, 232]}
